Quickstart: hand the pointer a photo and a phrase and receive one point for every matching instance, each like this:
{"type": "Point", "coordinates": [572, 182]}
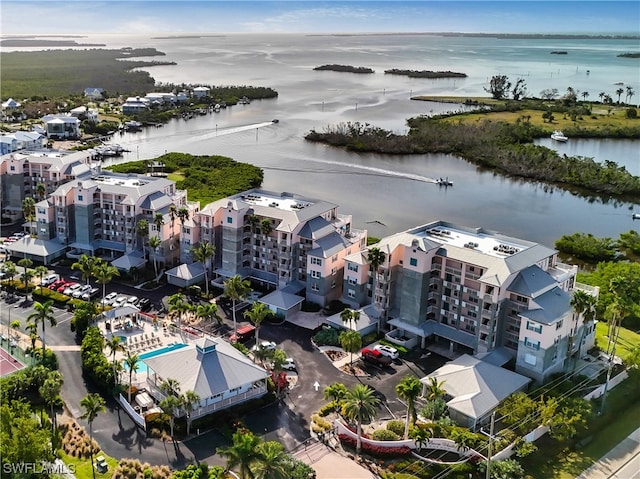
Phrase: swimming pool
{"type": "Point", "coordinates": [142, 366]}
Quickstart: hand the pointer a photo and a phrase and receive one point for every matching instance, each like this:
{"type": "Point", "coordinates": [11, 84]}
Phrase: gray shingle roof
{"type": "Point", "coordinates": [531, 282]}
{"type": "Point", "coordinates": [316, 228]}
{"type": "Point", "coordinates": [552, 306]}
{"type": "Point", "coordinates": [329, 245]}
{"type": "Point", "coordinates": [477, 387]}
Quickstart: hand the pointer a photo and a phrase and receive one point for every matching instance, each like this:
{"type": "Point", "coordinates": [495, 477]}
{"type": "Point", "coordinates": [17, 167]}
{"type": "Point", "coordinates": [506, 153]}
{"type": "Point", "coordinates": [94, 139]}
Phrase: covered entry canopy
{"type": "Point", "coordinates": [128, 261]}
{"type": "Point", "coordinates": [144, 400]}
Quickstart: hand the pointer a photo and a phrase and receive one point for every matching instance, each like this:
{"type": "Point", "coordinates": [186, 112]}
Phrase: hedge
{"type": "Point", "coordinates": [376, 451]}
{"type": "Point", "coordinates": [47, 294]}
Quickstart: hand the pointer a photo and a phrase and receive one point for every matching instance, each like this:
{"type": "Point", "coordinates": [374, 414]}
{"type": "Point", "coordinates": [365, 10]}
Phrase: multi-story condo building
{"type": "Point", "coordinates": [278, 240]}
{"type": "Point", "coordinates": [21, 140]}
{"type": "Point", "coordinates": [99, 215]}
{"type": "Point", "coordinates": [476, 291]}
{"type": "Point", "coordinates": [21, 172]}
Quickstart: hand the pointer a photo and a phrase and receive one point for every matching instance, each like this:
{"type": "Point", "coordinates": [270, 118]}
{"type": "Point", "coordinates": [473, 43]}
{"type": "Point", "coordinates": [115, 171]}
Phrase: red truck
{"type": "Point", "coordinates": [375, 357]}
{"type": "Point", "coordinates": [243, 334]}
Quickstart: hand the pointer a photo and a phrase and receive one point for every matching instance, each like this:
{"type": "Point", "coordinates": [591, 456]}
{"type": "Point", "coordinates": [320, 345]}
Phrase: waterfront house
{"type": "Point", "coordinates": [61, 126]}
{"type": "Point", "coordinates": [94, 93]}
{"type": "Point", "coordinates": [201, 91]}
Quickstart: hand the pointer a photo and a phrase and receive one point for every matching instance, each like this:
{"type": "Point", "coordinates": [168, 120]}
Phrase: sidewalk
{"type": "Point", "coordinates": [621, 462]}
{"type": "Point", "coordinates": [329, 464]}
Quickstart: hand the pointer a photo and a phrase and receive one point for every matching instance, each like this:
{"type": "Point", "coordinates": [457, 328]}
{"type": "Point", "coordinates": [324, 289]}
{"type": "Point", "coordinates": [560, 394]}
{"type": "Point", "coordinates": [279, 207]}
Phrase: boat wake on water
{"type": "Point", "coordinates": [222, 131]}
{"type": "Point", "coordinates": [367, 170]}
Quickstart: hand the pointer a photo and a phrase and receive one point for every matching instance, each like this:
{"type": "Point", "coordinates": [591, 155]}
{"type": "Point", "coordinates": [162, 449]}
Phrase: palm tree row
{"type": "Point", "coordinates": [178, 304]}
{"type": "Point", "coordinates": [254, 458]}
{"type": "Point", "coordinates": [175, 403]}
{"type": "Point", "coordinates": [97, 268]}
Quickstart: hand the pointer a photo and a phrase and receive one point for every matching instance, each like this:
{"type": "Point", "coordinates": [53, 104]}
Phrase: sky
{"type": "Point", "coordinates": [329, 16]}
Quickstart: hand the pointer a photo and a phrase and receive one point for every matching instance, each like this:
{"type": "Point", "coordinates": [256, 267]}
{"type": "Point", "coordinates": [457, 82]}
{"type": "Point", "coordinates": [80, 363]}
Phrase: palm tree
{"type": "Point", "coordinates": [346, 317]}
{"type": "Point", "coordinates": [242, 453]}
{"type": "Point", "coordinates": [154, 244]}
{"type": "Point", "coordinates": [41, 190]}
{"type": "Point", "coordinates": [409, 389]}
{"type": "Point", "coordinates": [208, 312]}
{"type": "Point", "coordinates": [619, 92]}
{"type": "Point", "coordinates": [171, 387]}
{"type": "Point", "coordinates": [32, 327]}
{"type": "Point", "coordinates": [10, 270]}
{"type": "Point", "coordinates": [335, 392]}
{"type": "Point", "coordinates": [630, 93]}
{"type": "Point", "coordinates": [190, 400]}
{"type": "Point", "coordinates": [360, 405]}
{"type": "Point", "coordinates": [183, 215]}
{"type": "Point", "coordinates": [177, 304]}
{"type": "Point", "coordinates": [86, 265]}
{"type": "Point", "coordinates": [50, 392]}
{"type": "Point", "coordinates": [203, 253]}
{"type": "Point", "coordinates": [585, 95]}
{"type": "Point", "coordinates": [26, 263]}
{"type": "Point", "coordinates": [131, 361]}
{"type": "Point", "coordinates": [170, 406]}
{"type": "Point", "coordinates": [104, 273]}
{"type": "Point", "coordinates": [29, 211]}
{"type": "Point", "coordinates": [583, 305]}
{"type": "Point", "coordinates": [142, 230]}
{"type": "Point", "coordinates": [93, 405]}
{"type": "Point", "coordinates": [15, 325]}
{"type": "Point", "coordinates": [43, 313]}
{"type": "Point", "coordinates": [266, 227]}
{"type": "Point", "coordinates": [236, 289]}
{"type": "Point", "coordinates": [41, 271]}
{"type": "Point", "coordinates": [256, 315]}
{"type": "Point", "coordinates": [376, 258]}
{"type": "Point", "coordinates": [158, 221]}
{"type": "Point", "coordinates": [173, 213]}
{"type": "Point", "coordinates": [271, 462]}
{"type": "Point", "coordinates": [114, 344]}
{"type": "Point", "coordinates": [601, 95]}
{"type": "Point", "coordinates": [434, 389]}
{"type": "Point", "coordinates": [351, 342]}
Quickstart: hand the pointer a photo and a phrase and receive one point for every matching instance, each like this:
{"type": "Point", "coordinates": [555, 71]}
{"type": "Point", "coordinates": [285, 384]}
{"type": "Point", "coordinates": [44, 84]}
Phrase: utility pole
{"type": "Point", "coordinates": [615, 332]}
{"type": "Point", "coordinates": [493, 420]}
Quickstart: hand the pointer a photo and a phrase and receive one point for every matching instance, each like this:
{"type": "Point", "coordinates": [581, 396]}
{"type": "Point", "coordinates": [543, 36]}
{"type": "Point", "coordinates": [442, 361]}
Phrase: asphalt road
{"type": "Point", "coordinates": [288, 421]}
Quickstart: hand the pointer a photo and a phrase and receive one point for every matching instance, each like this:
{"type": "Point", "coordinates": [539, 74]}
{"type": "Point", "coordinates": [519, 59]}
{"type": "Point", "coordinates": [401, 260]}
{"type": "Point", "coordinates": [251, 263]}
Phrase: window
{"type": "Point", "coordinates": [413, 262]}
{"type": "Point", "coordinates": [559, 324]}
{"type": "Point", "coordinates": [532, 344]}
{"type": "Point", "coordinates": [315, 274]}
{"type": "Point", "coordinates": [536, 328]}
{"type": "Point", "coordinates": [315, 287]}
{"type": "Point", "coordinates": [351, 293]}
{"type": "Point", "coordinates": [316, 261]}
{"type": "Point", "coordinates": [335, 258]}
{"type": "Point", "coordinates": [13, 168]}
{"type": "Point", "coordinates": [334, 271]}
{"type": "Point", "coordinates": [80, 198]}
{"type": "Point", "coordinates": [333, 284]}
{"type": "Point", "coordinates": [229, 219]}
{"type": "Point", "coordinates": [351, 280]}
{"type": "Point", "coordinates": [352, 267]}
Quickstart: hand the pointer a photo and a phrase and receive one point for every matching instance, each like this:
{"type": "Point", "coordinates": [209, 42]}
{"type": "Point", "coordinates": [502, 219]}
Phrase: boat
{"type": "Point", "coordinates": [275, 120]}
{"type": "Point", "coordinates": [444, 182]}
{"type": "Point", "coordinates": [558, 136]}
{"type": "Point", "coordinates": [132, 125]}
{"type": "Point", "coordinates": [635, 216]}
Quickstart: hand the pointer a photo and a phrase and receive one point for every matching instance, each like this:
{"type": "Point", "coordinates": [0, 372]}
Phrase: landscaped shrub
{"type": "Point", "coordinates": [327, 409]}
{"type": "Point", "coordinates": [327, 336]}
{"type": "Point", "coordinates": [376, 451]}
{"type": "Point", "coordinates": [309, 307]}
{"type": "Point", "coordinates": [369, 338]}
{"type": "Point", "coordinates": [134, 469]}
{"type": "Point", "coordinates": [396, 426]}
{"type": "Point", "coordinates": [322, 423]}
{"type": "Point", "coordinates": [76, 441]}
{"type": "Point", "coordinates": [46, 293]}
{"type": "Point", "coordinates": [94, 363]}
{"type": "Point", "coordinates": [385, 435]}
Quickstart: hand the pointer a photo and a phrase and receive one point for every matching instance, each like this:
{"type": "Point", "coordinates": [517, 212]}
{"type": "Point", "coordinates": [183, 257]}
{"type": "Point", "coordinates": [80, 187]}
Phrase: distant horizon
{"type": "Point", "coordinates": [207, 17]}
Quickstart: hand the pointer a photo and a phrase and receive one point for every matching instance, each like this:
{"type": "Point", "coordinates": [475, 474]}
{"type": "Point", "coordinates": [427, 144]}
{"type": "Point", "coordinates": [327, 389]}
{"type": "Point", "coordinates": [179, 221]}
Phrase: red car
{"type": "Point", "coordinates": [56, 284]}
{"type": "Point", "coordinates": [374, 356]}
{"type": "Point", "coordinates": [65, 285]}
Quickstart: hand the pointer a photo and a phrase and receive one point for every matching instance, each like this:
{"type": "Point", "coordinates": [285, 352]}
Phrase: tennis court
{"type": "Point", "coordinates": [8, 364]}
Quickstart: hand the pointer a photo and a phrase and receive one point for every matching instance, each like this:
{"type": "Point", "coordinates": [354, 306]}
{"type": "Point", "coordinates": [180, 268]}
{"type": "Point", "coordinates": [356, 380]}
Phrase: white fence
{"type": "Point", "coordinates": [137, 418]}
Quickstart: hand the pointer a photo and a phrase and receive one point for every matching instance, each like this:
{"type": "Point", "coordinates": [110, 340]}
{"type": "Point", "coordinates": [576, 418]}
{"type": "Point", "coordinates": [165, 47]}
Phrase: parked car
{"type": "Point", "coordinates": [75, 277]}
{"type": "Point", "coordinates": [389, 351]}
{"type": "Point", "coordinates": [289, 365]}
{"type": "Point", "coordinates": [56, 284]}
{"type": "Point", "coordinates": [92, 293]}
{"type": "Point", "coordinates": [110, 298]}
{"type": "Point", "coordinates": [72, 288]}
{"type": "Point", "coordinates": [243, 334]}
{"type": "Point", "coordinates": [144, 304]}
{"type": "Point", "coordinates": [119, 301]}
{"type": "Point", "coordinates": [65, 285]}
{"type": "Point", "coordinates": [375, 357]}
{"type": "Point", "coordinates": [132, 301]}
{"type": "Point", "coordinates": [49, 279]}
{"type": "Point", "coordinates": [81, 290]}
{"type": "Point", "coordinates": [269, 345]}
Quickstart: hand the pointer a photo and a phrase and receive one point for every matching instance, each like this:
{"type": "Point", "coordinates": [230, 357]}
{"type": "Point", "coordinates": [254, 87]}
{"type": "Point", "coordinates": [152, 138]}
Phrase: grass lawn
{"type": "Point", "coordinates": [175, 176]}
{"type": "Point", "coordinates": [83, 466]}
{"type": "Point", "coordinates": [627, 340]}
